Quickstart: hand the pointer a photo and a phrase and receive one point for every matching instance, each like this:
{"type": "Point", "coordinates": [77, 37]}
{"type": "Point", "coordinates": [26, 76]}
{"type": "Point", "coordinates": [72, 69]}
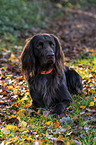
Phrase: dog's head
{"type": "Point", "coordinates": [42, 51]}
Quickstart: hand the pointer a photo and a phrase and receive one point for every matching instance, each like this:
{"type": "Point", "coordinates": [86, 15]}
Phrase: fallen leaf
{"type": "Point", "coordinates": [49, 123]}
{"type": "Point", "coordinates": [24, 98]}
{"type": "Point", "coordinates": [79, 26]}
{"type": "Point", "coordinates": [94, 99]}
{"type": "Point", "coordinates": [27, 93]}
{"type": "Point", "coordinates": [10, 87]}
{"type": "Point", "coordinates": [91, 104]}
{"type": "Point", "coordinates": [12, 56]}
{"type": "Point", "coordinates": [22, 124]}
{"type": "Point", "coordinates": [29, 139]}
{"type": "Point", "coordinates": [12, 127]}
{"type": "Point", "coordinates": [82, 107]}
{"type": "Point", "coordinates": [57, 124]}
{"type": "Point", "coordinates": [4, 93]}
{"type": "Point", "coordinates": [68, 143]}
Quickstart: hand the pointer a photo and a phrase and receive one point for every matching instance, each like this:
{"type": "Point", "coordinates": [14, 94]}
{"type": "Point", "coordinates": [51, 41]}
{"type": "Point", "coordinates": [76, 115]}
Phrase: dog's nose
{"type": "Point", "coordinates": [50, 54]}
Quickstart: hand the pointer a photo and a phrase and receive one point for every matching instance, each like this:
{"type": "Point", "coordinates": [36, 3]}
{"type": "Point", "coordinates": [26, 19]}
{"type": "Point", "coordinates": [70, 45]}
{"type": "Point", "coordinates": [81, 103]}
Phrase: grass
{"type": "Point", "coordinates": [17, 125]}
{"type": "Point", "coordinates": [17, 16]}
{"type": "Point", "coordinates": [76, 127]}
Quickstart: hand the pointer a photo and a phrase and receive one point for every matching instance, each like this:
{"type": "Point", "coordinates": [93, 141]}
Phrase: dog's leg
{"type": "Point", "coordinates": [74, 80]}
{"type": "Point", "coordinates": [63, 99]}
{"type": "Point", "coordinates": [60, 107]}
{"type": "Point", "coordinates": [37, 101]}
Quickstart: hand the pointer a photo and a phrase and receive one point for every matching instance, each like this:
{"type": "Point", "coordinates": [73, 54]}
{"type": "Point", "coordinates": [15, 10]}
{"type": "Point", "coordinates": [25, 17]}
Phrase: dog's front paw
{"type": "Point", "coordinates": [60, 108]}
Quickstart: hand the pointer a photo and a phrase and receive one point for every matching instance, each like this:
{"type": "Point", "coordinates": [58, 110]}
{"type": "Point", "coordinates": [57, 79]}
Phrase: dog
{"type": "Point", "coordinates": [49, 81]}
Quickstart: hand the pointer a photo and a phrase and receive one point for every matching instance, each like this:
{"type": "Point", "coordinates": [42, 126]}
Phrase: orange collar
{"type": "Point", "coordinates": [47, 72]}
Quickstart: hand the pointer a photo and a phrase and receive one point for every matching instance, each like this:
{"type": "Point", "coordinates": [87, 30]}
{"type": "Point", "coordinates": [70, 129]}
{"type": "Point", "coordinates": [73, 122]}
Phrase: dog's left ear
{"type": "Point", "coordinates": [28, 59]}
{"type": "Point", "coordinates": [59, 53]}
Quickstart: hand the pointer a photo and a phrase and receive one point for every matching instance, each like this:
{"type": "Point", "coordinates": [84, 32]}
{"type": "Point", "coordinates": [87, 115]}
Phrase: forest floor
{"type": "Point", "coordinates": [76, 29]}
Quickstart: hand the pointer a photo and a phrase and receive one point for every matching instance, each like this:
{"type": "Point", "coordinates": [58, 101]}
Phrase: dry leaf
{"type": "Point", "coordinates": [49, 123]}
{"type": "Point", "coordinates": [22, 124]}
{"type": "Point", "coordinates": [12, 127]}
{"type": "Point", "coordinates": [91, 104]}
{"type": "Point", "coordinates": [82, 107]}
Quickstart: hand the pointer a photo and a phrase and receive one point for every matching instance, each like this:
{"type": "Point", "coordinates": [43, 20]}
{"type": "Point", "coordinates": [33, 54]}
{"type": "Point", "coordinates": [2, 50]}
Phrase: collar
{"type": "Point", "coordinates": [47, 72]}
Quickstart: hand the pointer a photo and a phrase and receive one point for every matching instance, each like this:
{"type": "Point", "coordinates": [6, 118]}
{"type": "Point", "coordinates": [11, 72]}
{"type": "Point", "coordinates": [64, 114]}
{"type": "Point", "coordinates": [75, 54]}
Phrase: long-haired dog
{"type": "Point", "coordinates": [48, 79]}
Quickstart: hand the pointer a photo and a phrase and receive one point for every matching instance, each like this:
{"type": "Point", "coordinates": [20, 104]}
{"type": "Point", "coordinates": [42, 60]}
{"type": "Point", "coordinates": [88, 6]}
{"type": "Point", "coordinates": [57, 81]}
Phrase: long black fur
{"type": "Point", "coordinates": [41, 53]}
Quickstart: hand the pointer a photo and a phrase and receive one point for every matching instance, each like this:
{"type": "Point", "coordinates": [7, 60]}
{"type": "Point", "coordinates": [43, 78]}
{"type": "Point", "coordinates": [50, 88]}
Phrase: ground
{"type": "Point", "coordinates": [76, 29]}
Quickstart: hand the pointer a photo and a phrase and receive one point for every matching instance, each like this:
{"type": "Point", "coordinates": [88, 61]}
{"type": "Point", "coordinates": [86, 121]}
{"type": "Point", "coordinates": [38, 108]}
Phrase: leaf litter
{"type": "Point", "coordinates": [78, 41]}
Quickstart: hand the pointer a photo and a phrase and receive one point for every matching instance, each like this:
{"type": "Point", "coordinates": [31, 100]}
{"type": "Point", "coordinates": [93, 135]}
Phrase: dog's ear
{"type": "Point", "coordinates": [28, 59]}
{"type": "Point", "coordinates": [59, 56]}
{"type": "Point", "coordinates": [59, 53]}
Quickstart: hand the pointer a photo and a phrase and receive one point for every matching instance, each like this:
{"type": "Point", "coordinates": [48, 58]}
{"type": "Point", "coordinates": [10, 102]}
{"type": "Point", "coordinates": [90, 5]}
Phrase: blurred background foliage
{"type": "Point", "coordinates": [16, 16]}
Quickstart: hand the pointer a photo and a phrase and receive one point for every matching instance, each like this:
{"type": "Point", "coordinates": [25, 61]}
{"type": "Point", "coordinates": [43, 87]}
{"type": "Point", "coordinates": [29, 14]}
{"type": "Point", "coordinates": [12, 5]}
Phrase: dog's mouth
{"type": "Point", "coordinates": [48, 64]}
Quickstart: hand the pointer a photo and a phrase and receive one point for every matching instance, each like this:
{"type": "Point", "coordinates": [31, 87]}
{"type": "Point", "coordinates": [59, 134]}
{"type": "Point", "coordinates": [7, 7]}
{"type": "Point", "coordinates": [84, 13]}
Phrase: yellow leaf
{"type": "Point", "coordinates": [94, 99]}
{"type": "Point", "coordinates": [49, 123]}
{"type": "Point", "coordinates": [68, 143]}
{"type": "Point", "coordinates": [90, 50]}
{"type": "Point", "coordinates": [27, 93]}
{"type": "Point", "coordinates": [61, 121]}
{"type": "Point", "coordinates": [36, 130]}
{"type": "Point", "coordinates": [24, 98]}
{"type": "Point", "coordinates": [29, 139]}
{"type": "Point", "coordinates": [15, 91]}
{"type": "Point", "coordinates": [12, 56]}
{"type": "Point", "coordinates": [10, 87]}
{"type": "Point", "coordinates": [82, 107]}
{"type": "Point", "coordinates": [79, 26]}
{"type": "Point", "coordinates": [17, 87]}
{"type": "Point", "coordinates": [13, 116]}
{"type": "Point", "coordinates": [3, 49]}
{"type": "Point", "coordinates": [7, 75]}
{"type": "Point", "coordinates": [93, 53]}
{"type": "Point", "coordinates": [27, 105]}
{"type": "Point", "coordinates": [91, 104]}
{"type": "Point", "coordinates": [16, 59]}
{"type": "Point", "coordinates": [47, 132]}
{"type": "Point", "coordinates": [22, 124]}
{"type": "Point", "coordinates": [12, 127]}
{"type": "Point", "coordinates": [41, 135]}
{"type": "Point", "coordinates": [19, 119]}
{"type": "Point", "coordinates": [3, 68]}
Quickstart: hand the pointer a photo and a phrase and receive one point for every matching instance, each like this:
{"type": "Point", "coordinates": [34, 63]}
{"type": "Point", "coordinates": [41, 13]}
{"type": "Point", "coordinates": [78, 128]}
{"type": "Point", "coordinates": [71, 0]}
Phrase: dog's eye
{"type": "Point", "coordinates": [40, 45]}
{"type": "Point", "coordinates": [52, 45]}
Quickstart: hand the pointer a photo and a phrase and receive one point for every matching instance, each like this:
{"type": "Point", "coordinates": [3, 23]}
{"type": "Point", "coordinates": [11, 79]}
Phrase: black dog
{"type": "Point", "coordinates": [48, 80]}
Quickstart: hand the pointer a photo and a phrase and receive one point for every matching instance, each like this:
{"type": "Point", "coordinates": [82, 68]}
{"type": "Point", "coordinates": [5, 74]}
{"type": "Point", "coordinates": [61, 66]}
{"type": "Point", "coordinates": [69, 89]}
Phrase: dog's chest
{"type": "Point", "coordinates": [46, 87]}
